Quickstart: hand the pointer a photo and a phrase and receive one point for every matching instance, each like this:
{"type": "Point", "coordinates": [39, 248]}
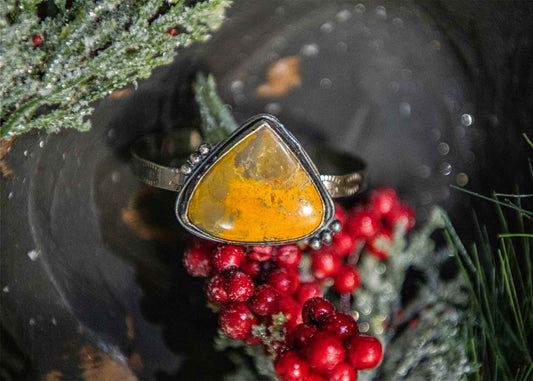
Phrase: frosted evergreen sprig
{"type": "Point", "coordinates": [86, 49]}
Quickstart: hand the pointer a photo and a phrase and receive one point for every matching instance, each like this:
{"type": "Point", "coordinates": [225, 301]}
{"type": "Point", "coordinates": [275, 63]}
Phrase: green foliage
{"type": "Point", "coordinates": [89, 48]}
{"type": "Point", "coordinates": [217, 121]}
{"type": "Point", "coordinates": [499, 280]}
{"type": "Point", "coordinates": [430, 347]}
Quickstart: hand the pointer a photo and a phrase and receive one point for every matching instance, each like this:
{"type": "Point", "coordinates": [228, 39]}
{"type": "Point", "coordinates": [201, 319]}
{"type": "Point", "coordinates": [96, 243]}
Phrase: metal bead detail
{"type": "Point", "coordinates": [204, 149]}
{"type": "Point", "coordinates": [336, 226]}
{"type": "Point", "coordinates": [195, 158]}
{"type": "Point", "coordinates": [326, 236]}
{"type": "Point", "coordinates": [185, 169]}
{"type": "Point", "coordinates": [315, 243]}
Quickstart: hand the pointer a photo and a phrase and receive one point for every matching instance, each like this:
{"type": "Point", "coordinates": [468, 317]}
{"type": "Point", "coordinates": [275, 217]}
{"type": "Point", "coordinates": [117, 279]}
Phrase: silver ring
{"type": "Point", "coordinates": [257, 187]}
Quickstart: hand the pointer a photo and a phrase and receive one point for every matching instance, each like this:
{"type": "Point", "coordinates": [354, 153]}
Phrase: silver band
{"type": "Point", "coordinates": [156, 160]}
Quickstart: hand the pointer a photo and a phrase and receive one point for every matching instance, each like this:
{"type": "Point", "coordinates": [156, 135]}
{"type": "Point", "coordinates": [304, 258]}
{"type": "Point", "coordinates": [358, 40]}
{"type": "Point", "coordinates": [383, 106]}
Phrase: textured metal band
{"type": "Point", "coordinates": [150, 151]}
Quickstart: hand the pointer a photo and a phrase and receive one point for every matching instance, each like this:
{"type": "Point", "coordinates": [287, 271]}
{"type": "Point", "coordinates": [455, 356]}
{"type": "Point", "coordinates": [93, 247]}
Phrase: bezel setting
{"type": "Point", "coordinates": [206, 157]}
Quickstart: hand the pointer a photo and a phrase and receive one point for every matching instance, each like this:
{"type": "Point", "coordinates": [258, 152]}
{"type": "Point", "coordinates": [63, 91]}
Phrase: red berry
{"type": "Point", "coordinates": [306, 291]}
{"type": "Point", "coordinates": [239, 286]}
{"type": "Point", "coordinates": [291, 310]}
{"type": "Point", "coordinates": [383, 201]}
{"type": "Point", "coordinates": [284, 280]}
{"type": "Point", "coordinates": [343, 372]}
{"type": "Point", "coordinates": [236, 320]}
{"type": "Point", "coordinates": [291, 366]}
{"type": "Point", "coordinates": [340, 324]}
{"type": "Point", "coordinates": [300, 335]}
{"type": "Point", "coordinates": [216, 290]}
{"type": "Point", "coordinates": [276, 348]}
{"type": "Point", "coordinates": [347, 280]}
{"type": "Point", "coordinates": [316, 377]}
{"type": "Point", "coordinates": [324, 352]}
{"type": "Point", "coordinates": [227, 256]}
{"type": "Point", "coordinates": [314, 308]}
{"type": "Point", "coordinates": [378, 245]}
{"type": "Point", "coordinates": [251, 267]}
{"type": "Point", "coordinates": [402, 214]}
{"type": "Point", "coordinates": [37, 39]}
{"type": "Point", "coordinates": [363, 352]}
{"type": "Point", "coordinates": [197, 262]}
{"type": "Point", "coordinates": [261, 253]}
{"type": "Point", "coordinates": [363, 224]}
{"type": "Point", "coordinates": [265, 300]}
{"type": "Point", "coordinates": [340, 213]}
{"type": "Point", "coordinates": [288, 256]}
{"type": "Point", "coordinates": [204, 244]}
{"type": "Point", "coordinates": [253, 340]}
{"type": "Point", "coordinates": [172, 31]}
{"type": "Point", "coordinates": [325, 263]}
{"type": "Point", "coordinates": [344, 243]}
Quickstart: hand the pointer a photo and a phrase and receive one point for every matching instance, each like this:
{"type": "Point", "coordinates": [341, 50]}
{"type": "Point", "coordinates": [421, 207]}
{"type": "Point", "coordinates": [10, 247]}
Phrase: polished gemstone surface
{"type": "Point", "coordinates": [258, 191]}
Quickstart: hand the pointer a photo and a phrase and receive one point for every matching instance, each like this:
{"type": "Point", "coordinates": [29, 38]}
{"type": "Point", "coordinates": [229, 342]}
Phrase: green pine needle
{"type": "Point", "coordinates": [500, 283]}
{"type": "Point", "coordinates": [85, 51]}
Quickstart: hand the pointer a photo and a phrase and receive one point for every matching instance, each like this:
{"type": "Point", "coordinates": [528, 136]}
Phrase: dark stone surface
{"type": "Point", "coordinates": [391, 84]}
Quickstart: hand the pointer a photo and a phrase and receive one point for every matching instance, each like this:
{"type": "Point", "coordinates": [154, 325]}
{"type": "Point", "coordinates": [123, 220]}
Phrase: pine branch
{"type": "Point", "coordinates": [52, 67]}
{"type": "Point", "coordinates": [217, 121]}
{"type": "Point", "coordinates": [499, 281]}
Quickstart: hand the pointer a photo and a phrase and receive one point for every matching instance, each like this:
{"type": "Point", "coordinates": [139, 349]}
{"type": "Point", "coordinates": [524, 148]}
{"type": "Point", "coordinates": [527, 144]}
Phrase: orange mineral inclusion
{"type": "Point", "coordinates": [258, 191]}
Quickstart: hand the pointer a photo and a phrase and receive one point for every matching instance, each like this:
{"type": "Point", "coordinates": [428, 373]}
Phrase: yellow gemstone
{"type": "Point", "coordinates": [258, 191]}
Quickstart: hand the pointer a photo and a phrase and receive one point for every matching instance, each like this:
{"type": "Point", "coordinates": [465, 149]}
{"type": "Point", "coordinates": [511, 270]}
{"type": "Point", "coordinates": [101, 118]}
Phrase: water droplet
{"type": "Point", "coordinates": [41, 144]}
{"type": "Point", "coordinates": [394, 87]}
{"type": "Point", "coordinates": [32, 321]}
{"type": "Point", "coordinates": [327, 27]}
{"type": "Point", "coordinates": [381, 12]}
{"type": "Point", "coordinates": [435, 45]}
{"type": "Point", "coordinates": [273, 108]}
{"type": "Point", "coordinates": [397, 22]}
{"type": "Point", "coordinates": [54, 321]}
{"type": "Point", "coordinates": [405, 108]}
{"type": "Point", "coordinates": [237, 86]}
{"type": "Point", "coordinates": [461, 179]}
{"type": "Point", "coordinates": [423, 171]}
{"type": "Point", "coordinates": [325, 83]}
{"type": "Point", "coordinates": [443, 148]}
{"type": "Point", "coordinates": [343, 15]}
{"type": "Point", "coordinates": [355, 315]}
{"type": "Point", "coordinates": [381, 268]}
{"type": "Point", "coordinates": [115, 177]}
{"type": "Point", "coordinates": [33, 254]}
{"type": "Point", "coordinates": [10, 195]}
{"type": "Point", "coordinates": [407, 74]}
{"type": "Point", "coordinates": [360, 8]}
{"type": "Point", "coordinates": [64, 156]}
{"type": "Point", "coordinates": [445, 168]}
{"type": "Point", "coordinates": [467, 120]}
{"type": "Point", "coordinates": [364, 327]}
{"type": "Point", "coordinates": [341, 47]}
{"type": "Point", "coordinates": [309, 50]}
{"type": "Point", "coordinates": [5, 289]}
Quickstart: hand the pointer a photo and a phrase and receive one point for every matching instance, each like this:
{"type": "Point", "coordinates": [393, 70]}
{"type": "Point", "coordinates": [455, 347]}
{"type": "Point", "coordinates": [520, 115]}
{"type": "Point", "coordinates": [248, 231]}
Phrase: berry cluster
{"type": "Point", "coordinates": [253, 285]}
{"type": "Point", "coordinates": [327, 346]}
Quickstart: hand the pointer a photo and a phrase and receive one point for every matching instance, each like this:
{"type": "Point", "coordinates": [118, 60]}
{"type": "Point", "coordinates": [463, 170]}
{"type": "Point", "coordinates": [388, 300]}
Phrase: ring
{"type": "Point", "coordinates": [257, 187]}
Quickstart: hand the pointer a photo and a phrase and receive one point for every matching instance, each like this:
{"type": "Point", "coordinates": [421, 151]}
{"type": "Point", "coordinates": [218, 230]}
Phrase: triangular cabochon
{"type": "Point", "coordinates": [257, 192]}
